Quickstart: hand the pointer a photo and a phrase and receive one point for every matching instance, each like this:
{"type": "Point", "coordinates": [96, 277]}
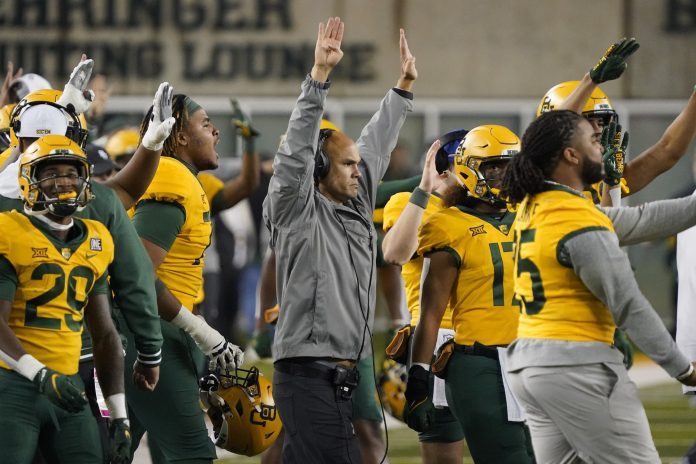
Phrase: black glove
{"type": "Point", "coordinates": [613, 62]}
{"type": "Point", "coordinates": [120, 438]}
{"type": "Point", "coordinates": [60, 390]}
{"type": "Point", "coordinates": [242, 121]}
{"type": "Point", "coordinates": [622, 343]}
{"type": "Point", "coordinates": [419, 409]}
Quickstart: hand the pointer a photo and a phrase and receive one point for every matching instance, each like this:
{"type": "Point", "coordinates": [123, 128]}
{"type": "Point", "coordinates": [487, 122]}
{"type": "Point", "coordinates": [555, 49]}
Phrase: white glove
{"type": "Point", "coordinates": [75, 94]}
{"type": "Point", "coordinates": [161, 121]}
{"type": "Point", "coordinates": [223, 354]}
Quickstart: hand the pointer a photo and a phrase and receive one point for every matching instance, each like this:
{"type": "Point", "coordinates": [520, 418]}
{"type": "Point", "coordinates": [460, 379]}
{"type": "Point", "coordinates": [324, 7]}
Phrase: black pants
{"type": "Point", "coordinates": [318, 425]}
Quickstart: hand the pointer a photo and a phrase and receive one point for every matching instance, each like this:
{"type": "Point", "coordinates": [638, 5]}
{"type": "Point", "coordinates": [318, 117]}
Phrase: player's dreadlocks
{"type": "Point", "coordinates": [182, 107]}
{"type": "Point", "coordinates": [542, 146]}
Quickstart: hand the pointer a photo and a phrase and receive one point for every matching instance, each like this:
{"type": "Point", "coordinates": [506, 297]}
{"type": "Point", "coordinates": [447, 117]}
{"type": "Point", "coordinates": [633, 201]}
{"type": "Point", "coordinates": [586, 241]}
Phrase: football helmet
{"type": "Point", "coordinates": [242, 409]}
{"type": "Point", "coordinates": [392, 388]}
{"type": "Point", "coordinates": [53, 149]}
{"type": "Point", "coordinates": [122, 144]}
{"type": "Point", "coordinates": [27, 119]}
{"type": "Point", "coordinates": [6, 137]}
{"type": "Point", "coordinates": [482, 147]}
{"type": "Point", "coordinates": [597, 106]}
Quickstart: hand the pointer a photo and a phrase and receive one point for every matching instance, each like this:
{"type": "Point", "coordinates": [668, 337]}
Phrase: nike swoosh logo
{"type": "Point", "coordinates": [90, 256]}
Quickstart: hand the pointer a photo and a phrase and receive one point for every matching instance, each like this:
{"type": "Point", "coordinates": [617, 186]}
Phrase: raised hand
{"type": "Point", "coordinates": [430, 179]}
{"type": "Point", "coordinates": [408, 61]}
{"type": "Point", "coordinates": [327, 52]}
{"type": "Point", "coordinates": [614, 153]}
{"type": "Point", "coordinates": [10, 76]}
{"type": "Point", "coordinates": [613, 62]}
{"type": "Point", "coordinates": [161, 120]}
{"type": "Point", "coordinates": [76, 97]}
{"type": "Point", "coordinates": [242, 121]}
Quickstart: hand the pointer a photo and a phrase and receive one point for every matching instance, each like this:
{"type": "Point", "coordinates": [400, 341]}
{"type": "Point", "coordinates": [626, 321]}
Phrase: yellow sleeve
{"type": "Point", "coordinates": [434, 236]}
{"type": "Point", "coordinates": [392, 210]}
{"type": "Point", "coordinates": [211, 185]}
{"type": "Point", "coordinates": [171, 183]}
{"type": "Point", "coordinates": [5, 154]}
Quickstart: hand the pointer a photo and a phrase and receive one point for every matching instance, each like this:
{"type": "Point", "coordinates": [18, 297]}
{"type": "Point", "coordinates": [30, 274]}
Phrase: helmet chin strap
{"type": "Point", "coordinates": [41, 216]}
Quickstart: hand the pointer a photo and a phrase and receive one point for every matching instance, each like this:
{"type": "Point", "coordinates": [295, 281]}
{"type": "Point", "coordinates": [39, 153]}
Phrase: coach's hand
{"type": "Point", "coordinates": [327, 51]}
{"type": "Point", "coordinates": [613, 62]}
{"type": "Point", "coordinates": [419, 409]}
{"type": "Point", "coordinates": [120, 438]}
{"type": "Point", "coordinates": [60, 390]}
{"type": "Point", "coordinates": [409, 73]}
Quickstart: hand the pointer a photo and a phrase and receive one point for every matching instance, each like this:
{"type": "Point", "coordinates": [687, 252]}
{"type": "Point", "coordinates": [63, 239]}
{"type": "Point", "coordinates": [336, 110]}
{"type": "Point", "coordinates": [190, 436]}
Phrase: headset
{"type": "Point", "coordinates": [322, 162]}
{"type": "Point", "coordinates": [442, 157]}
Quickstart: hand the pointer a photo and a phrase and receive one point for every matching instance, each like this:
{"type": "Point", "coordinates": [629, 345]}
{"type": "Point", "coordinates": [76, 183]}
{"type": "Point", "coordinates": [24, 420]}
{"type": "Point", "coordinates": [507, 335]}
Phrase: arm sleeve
{"type": "Point", "coordinates": [101, 286]}
{"type": "Point", "coordinates": [8, 280]}
{"type": "Point", "coordinates": [159, 222]}
{"type": "Point", "coordinates": [132, 277]}
{"type": "Point", "coordinates": [377, 140]}
{"type": "Point", "coordinates": [605, 270]}
{"type": "Point", "coordinates": [652, 221]}
{"type": "Point", "coordinates": [291, 187]}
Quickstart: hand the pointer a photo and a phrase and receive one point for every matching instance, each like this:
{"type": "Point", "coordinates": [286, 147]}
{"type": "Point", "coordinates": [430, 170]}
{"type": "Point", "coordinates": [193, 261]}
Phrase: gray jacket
{"type": "Point", "coordinates": [604, 268]}
{"type": "Point", "coordinates": [325, 252]}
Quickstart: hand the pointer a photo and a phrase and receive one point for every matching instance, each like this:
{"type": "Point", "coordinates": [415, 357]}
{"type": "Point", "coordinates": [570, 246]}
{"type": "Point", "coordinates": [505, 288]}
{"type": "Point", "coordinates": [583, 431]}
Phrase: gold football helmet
{"type": "Point", "coordinates": [122, 144]}
{"type": "Point", "coordinates": [62, 119]}
{"type": "Point", "coordinates": [49, 150]}
{"type": "Point", "coordinates": [392, 388]}
{"type": "Point", "coordinates": [483, 148]}
{"type": "Point", "coordinates": [597, 106]}
{"type": "Point", "coordinates": [242, 409]}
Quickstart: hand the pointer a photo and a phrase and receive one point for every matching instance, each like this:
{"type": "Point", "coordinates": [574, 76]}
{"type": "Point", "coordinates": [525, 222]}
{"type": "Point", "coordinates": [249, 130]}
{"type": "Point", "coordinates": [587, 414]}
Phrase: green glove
{"type": "Point", "coordinates": [262, 342]}
{"type": "Point", "coordinates": [120, 438]}
{"type": "Point", "coordinates": [242, 121]}
{"type": "Point", "coordinates": [60, 390]}
{"type": "Point", "coordinates": [613, 62]}
{"type": "Point", "coordinates": [419, 409]}
{"type": "Point", "coordinates": [622, 343]}
{"type": "Point", "coordinates": [614, 153]}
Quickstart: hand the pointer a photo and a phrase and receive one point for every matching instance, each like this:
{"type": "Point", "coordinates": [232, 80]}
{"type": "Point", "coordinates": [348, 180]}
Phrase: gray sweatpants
{"type": "Point", "coordinates": [586, 413]}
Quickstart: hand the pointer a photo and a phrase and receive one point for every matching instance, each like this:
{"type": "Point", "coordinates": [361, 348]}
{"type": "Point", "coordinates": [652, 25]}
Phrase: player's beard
{"type": "Point", "coordinates": [592, 172]}
{"type": "Point", "coordinates": [454, 195]}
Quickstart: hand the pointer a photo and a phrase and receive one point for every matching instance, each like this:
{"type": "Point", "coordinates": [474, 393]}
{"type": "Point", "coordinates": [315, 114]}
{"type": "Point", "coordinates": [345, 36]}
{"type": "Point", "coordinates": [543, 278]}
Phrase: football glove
{"type": "Point", "coordinates": [161, 120]}
{"type": "Point", "coordinates": [75, 95]}
{"type": "Point", "coordinates": [419, 409]}
{"type": "Point", "coordinates": [622, 343]}
{"type": "Point", "coordinates": [225, 357]}
{"type": "Point", "coordinates": [242, 123]}
{"type": "Point", "coordinates": [614, 153]}
{"type": "Point", "coordinates": [60, 390]}
{"type": "Point", "coordinates": [262, 342]}
{"type": "Point", "coordinates": [120, 442]}
{"type": "Point", "coordinates": [613, 62]}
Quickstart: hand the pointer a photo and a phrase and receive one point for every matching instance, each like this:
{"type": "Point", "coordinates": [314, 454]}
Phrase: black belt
{"type": "Point", "coordinates": [477, 349]}
{"type": "Point", "coordinates": [312, 370]}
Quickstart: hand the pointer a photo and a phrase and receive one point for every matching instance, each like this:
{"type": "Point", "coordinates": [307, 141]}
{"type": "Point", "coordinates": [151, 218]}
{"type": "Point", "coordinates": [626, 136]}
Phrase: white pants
{"type": "Point", "coordinates": [588, 413]}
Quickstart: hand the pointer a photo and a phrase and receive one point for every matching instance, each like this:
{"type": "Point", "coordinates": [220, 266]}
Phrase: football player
{"type": "Point", "coordinates": [575, 285]}
{"type": "Point", "coordinates": [52, 265]}
{"type": "Point", "coordinates": [173, 221]}
{"type": "Point", "coordinates": [470, 252]}
{"type": "Point", "coordinates": [403, 215]}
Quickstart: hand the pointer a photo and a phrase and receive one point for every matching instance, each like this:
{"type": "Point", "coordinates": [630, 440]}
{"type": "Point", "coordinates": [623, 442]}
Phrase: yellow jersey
{"type": "Point", "coordinates": [555, 304]}
{"type": "Point", "coordinates": [53, 282]}
{"type": "Point", "coordinates": [211, 186]}
{"type": "Point", "coordinates": [483, 307]}
{"type": "Point", "coordinates": [411, 271]}
{"type": "Point", "coordinates": [182, 268]}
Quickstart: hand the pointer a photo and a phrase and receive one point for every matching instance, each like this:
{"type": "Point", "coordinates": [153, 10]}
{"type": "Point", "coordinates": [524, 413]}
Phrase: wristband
{"type": "Point", "coordinates": [420, 198]}
{"type": "Point", "coordinates": [150, 360]}
{"type": "Point", "coordinates": [687, 374]}
{"type": "Point", "coordinates": [28, 366]}
{"type": "Point", "coordinates": [116, 405]}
